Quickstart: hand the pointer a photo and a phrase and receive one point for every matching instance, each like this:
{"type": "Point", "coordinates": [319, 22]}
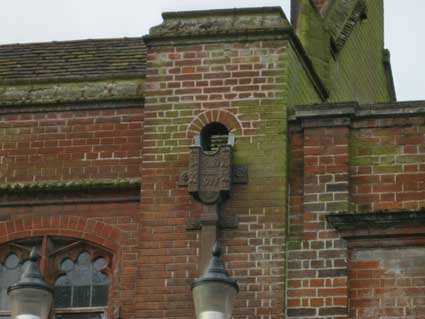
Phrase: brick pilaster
{"type": "Point", "coordinates": [317, 256]}
{"type": "Point", "coordinates": [238, 80]}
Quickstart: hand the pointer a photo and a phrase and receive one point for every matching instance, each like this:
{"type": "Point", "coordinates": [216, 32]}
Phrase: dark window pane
{"type": "Point", "coordinates": [63, 296]}
{"type": "Point", "coordinates": [81, 296]}
{"type": "Point", "coordinates": [100, 296]}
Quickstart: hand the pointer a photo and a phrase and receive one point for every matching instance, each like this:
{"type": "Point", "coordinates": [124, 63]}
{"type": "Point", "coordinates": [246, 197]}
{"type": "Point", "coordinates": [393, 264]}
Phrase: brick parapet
{"type": "Point", "coordinates": [233, 25]}
{"type": "Point", "coordinates": [214, 23]}
{"type": "Point", "coordinates": [386, 155]}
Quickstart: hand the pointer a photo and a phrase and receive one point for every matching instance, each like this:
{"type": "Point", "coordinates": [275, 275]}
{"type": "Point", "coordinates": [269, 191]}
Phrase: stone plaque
{"type": "Point", "coordinates": [210, 173]}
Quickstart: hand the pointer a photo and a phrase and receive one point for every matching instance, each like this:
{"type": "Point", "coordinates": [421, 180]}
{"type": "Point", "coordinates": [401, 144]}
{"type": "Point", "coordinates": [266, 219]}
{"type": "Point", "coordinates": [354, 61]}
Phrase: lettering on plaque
{"type": "Point", "coordinates": [210, 173]}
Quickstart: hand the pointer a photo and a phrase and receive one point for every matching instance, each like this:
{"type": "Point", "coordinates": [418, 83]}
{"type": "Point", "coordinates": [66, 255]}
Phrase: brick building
{"type": "Point", "coordinates": [110, 151]}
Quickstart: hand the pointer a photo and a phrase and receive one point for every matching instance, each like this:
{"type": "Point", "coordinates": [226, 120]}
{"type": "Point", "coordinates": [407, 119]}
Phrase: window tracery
{"type": "Point", "coordinates": [78, 271]}
{"type": "Point", "coordinates": [82, 284]}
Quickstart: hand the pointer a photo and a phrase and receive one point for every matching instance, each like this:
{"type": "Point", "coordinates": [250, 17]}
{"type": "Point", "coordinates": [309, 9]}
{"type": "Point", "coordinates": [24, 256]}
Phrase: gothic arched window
{"type": "Point", "coordinates": [82, 284]}
{"type": "Point", "coordinates": [78, 271]}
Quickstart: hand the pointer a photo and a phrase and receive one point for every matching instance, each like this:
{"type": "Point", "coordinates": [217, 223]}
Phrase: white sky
{"type": "Point", "coordinates": [49, 20]}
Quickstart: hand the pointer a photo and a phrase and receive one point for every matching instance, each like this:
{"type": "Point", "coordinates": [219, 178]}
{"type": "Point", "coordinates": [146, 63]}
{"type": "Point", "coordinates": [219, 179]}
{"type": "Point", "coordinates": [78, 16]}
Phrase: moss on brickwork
{"type": "Point", "coordinates": [221, 21]}
{"type": "Point", "coordinates": [300, 89]}
{"type": "Point", "coordinates": [54, 92]}
{"type": "Point", "coordinates": [314, 37]}
{"type": "Point", "coordinates": [249, 95]}
{"type": "Point", "coordinates": [353, 68]}
{"type": "Point", "coordinates": [357, 72]}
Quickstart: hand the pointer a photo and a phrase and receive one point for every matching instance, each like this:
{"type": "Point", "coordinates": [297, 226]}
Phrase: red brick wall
{"type": "Point", "coordinates": [387, 283]}
{"type": "Point", "coordinates": [388, 164]}
{"type": "Point", "coordinates": [239, 84]}
{"type": "Point", "coordinates": [366, 164]}
{"type": "Point", "coordinates": [387, 174]}
{"type": "Point", "coordinates": [82, 145]}
{"type": "Point", "coordinates": [317, 257]}
{"type": "Point", "coordinates": [71, 145]}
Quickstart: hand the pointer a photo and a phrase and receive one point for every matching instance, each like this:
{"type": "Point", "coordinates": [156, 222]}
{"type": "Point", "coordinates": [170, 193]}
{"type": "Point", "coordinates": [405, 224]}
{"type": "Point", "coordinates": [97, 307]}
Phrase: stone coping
{"type": "Point", "coordinates": [221, 21]}
{"type": "Point", "coordinates": [354, 110]}
{"type": "Point", "coordinates": [223, 12]}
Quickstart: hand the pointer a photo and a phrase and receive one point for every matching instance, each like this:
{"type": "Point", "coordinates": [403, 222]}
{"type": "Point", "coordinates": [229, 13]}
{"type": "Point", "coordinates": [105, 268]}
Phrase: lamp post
{"type": "Point", "coordinates": [214, 292]}
{"type": "Point", "coordinates": [31, 297]}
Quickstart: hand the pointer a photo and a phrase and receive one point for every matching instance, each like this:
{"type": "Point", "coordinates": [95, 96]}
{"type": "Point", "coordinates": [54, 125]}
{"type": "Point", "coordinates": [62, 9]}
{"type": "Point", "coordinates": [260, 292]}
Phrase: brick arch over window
{"type": "Point", "coordinates": [88, 229]}
{"type": "Point", "coordinates": [224, 117]}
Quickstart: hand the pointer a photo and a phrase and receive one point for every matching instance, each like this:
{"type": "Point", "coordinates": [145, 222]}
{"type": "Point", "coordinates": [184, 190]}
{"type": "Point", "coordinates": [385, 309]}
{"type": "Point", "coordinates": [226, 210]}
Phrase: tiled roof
{"type": "Point", "coordinates": [99, 58]}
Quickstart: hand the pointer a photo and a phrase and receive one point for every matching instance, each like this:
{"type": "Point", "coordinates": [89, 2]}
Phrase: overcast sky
{"type": "Point", "coordinates": [49, 20]}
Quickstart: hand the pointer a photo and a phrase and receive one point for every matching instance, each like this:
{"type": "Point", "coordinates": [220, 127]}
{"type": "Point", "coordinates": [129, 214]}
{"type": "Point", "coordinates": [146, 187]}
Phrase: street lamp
{"type": "Point", "coordinates": [213, 293]}
{"type": "Point", "coordinates": [31, 297]}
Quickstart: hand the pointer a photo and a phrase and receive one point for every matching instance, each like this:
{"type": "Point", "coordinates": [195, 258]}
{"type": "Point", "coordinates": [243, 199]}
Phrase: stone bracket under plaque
{"type": "Point", "coordinates": [223, 223]}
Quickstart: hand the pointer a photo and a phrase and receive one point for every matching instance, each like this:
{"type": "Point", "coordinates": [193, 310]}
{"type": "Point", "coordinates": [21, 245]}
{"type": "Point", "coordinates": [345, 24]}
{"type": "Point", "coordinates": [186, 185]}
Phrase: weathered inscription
{"type": "Point", "coordinates": [210, 173]}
